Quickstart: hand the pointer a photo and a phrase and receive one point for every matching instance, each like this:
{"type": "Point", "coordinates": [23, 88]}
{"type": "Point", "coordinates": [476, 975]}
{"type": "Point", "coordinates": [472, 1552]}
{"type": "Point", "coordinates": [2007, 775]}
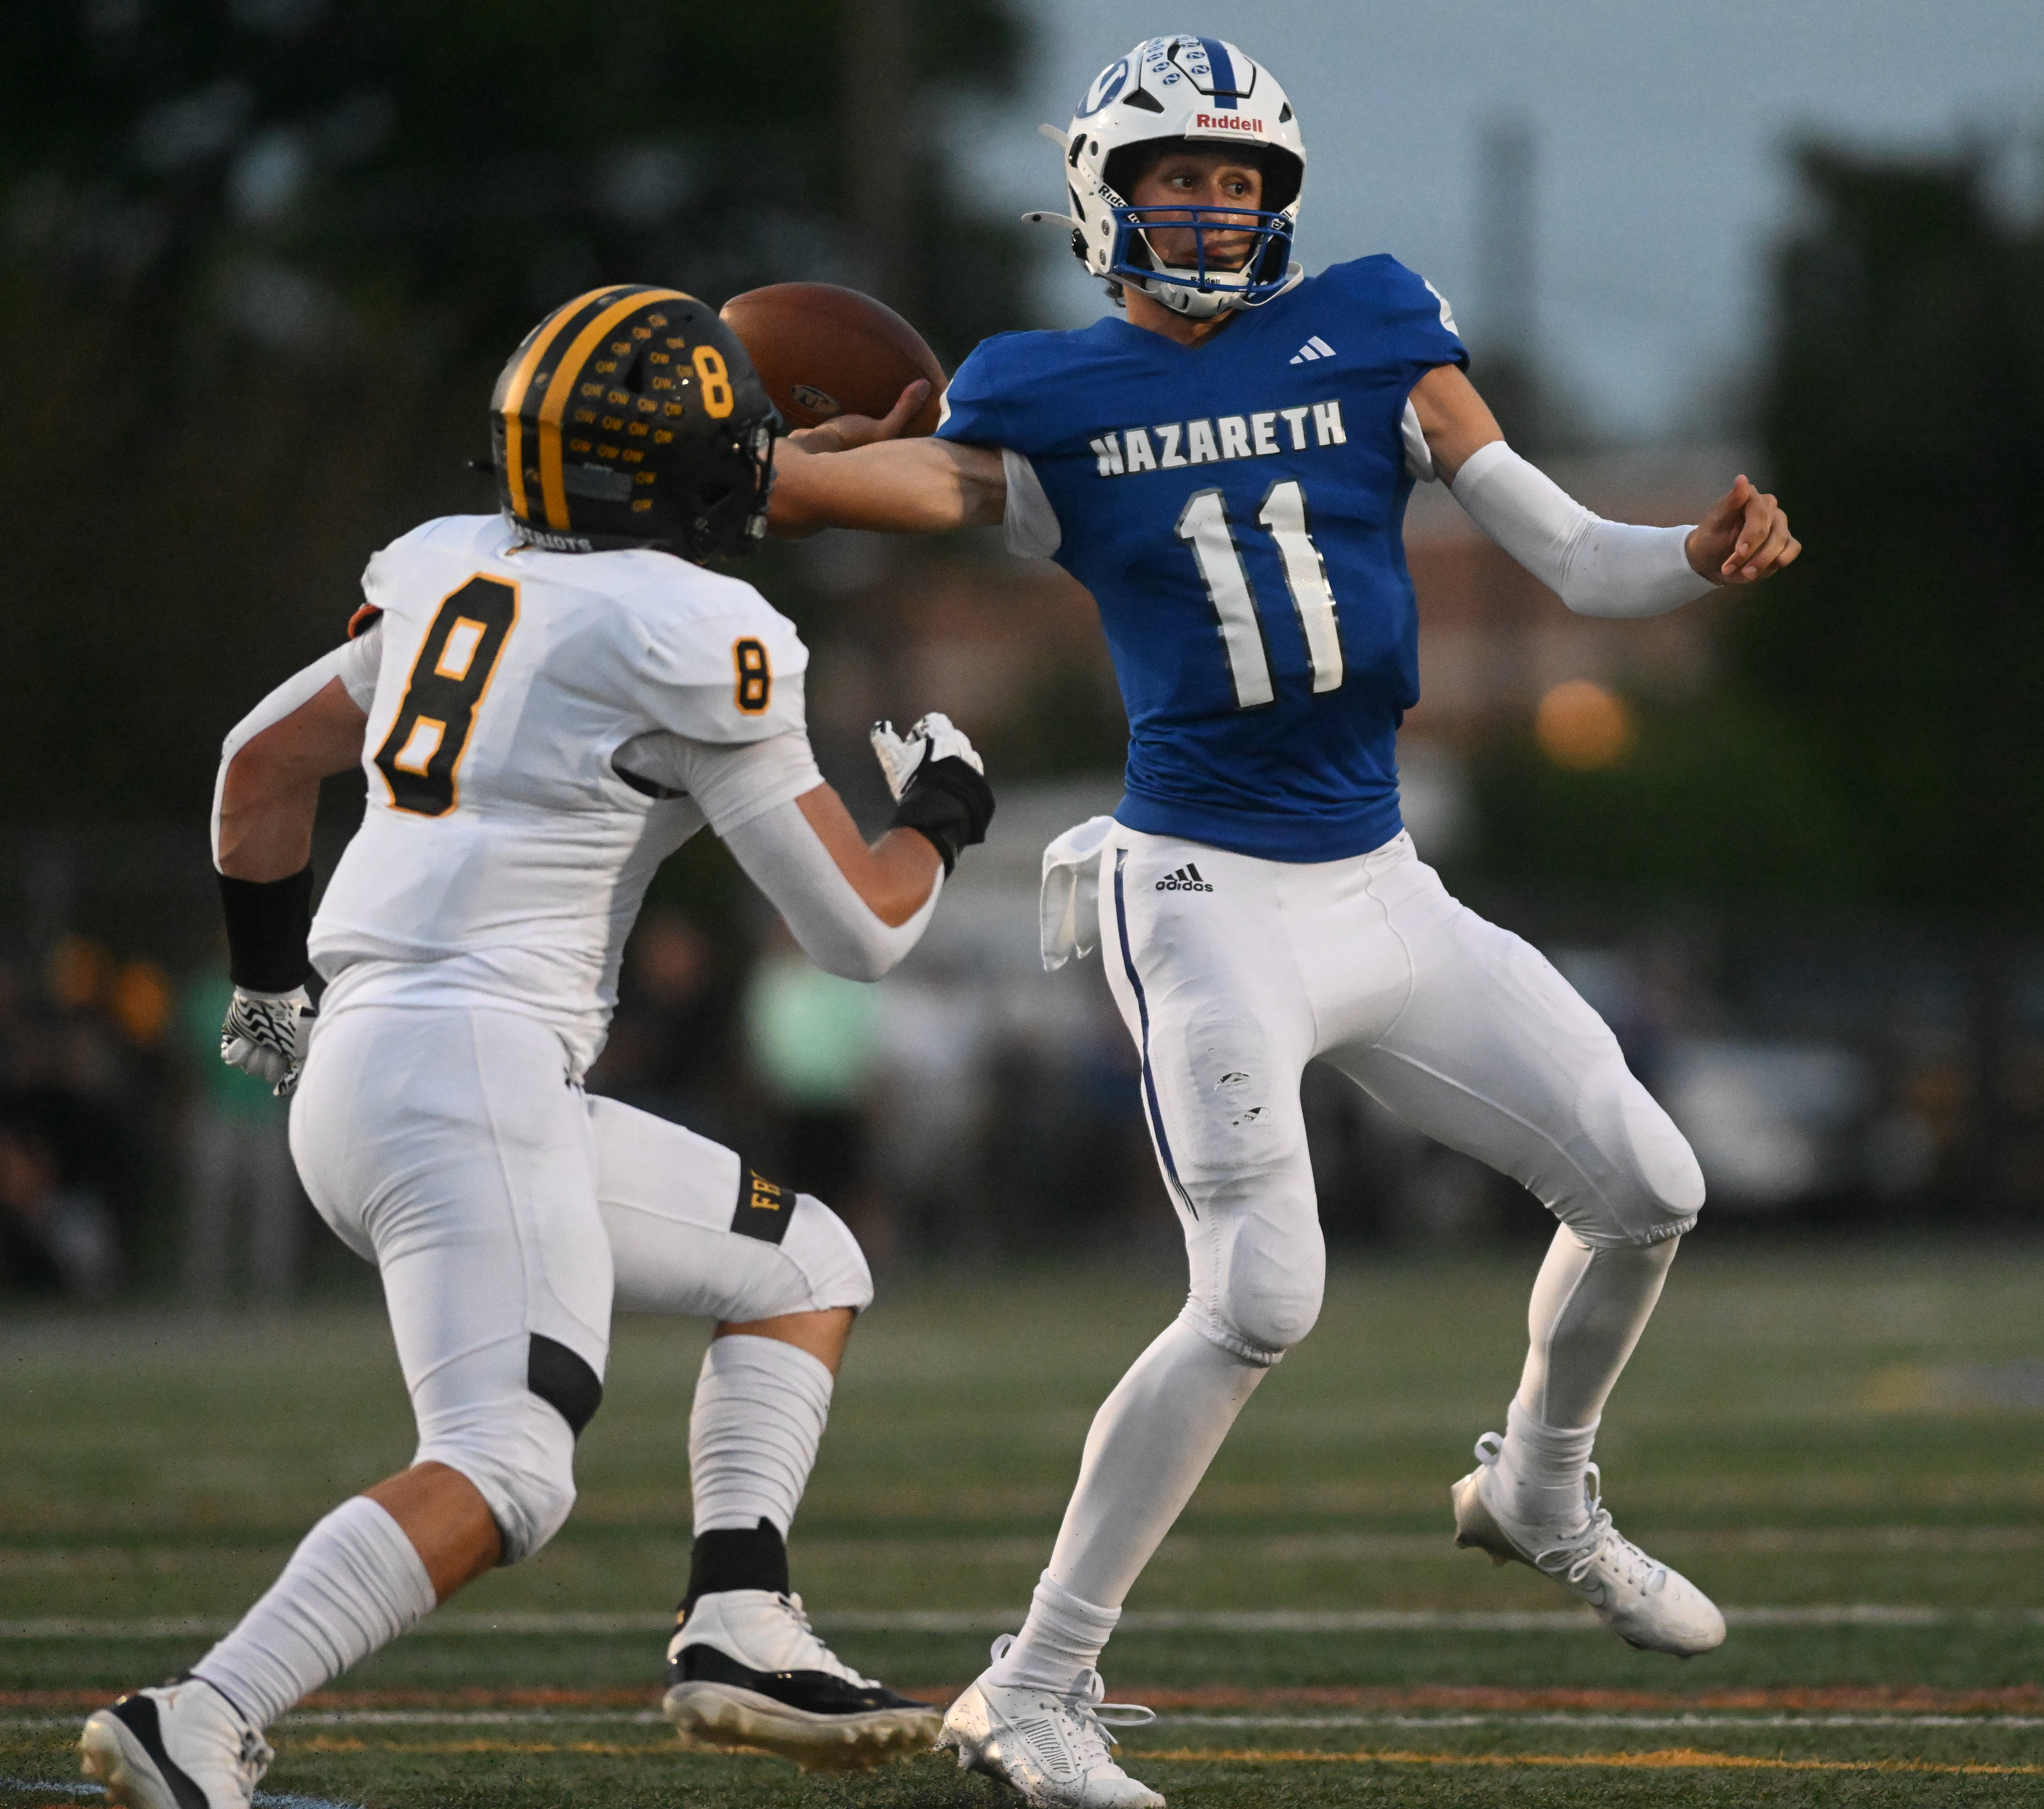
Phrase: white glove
{"type": "Point", "coordinates": [933, 738]}
{"type": "Point", "coordinates": [265, 1035]}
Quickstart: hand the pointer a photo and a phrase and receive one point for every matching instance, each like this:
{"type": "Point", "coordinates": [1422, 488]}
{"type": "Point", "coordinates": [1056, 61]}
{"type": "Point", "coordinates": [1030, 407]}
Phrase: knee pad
{"type": "Point", "coordinates": [833, 1267]}
{"type": "Point", "coordinates": [1262, 1289]}
{"type": "Point", "coordinates": [1653, 1188]}
{"type": "Point", "coordinates": [519, 1452]}
{"type": "Point", "coordinates": [816, 1265]}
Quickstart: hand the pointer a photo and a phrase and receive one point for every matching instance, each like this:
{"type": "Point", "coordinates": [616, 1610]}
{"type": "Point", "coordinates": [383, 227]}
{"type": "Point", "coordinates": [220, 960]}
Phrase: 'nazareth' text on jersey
{"type": "Point", "coordinates": [1259, 436]}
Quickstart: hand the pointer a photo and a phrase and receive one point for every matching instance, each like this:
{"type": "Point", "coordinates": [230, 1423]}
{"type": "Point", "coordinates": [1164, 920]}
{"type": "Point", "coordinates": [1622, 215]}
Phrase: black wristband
{"type": "Point", "coordinates": [267, 923]}
{"type": "Point", "coordinates": [948, 801]}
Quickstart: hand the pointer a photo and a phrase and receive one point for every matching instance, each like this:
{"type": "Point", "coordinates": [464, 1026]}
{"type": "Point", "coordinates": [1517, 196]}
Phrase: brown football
{"type": "Point", "coordinates": [822, 350]}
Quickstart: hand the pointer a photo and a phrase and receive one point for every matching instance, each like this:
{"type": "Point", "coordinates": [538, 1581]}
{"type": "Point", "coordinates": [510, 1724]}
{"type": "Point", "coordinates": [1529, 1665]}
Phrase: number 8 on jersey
{"type": "Point", "coordinates": [419, 755]}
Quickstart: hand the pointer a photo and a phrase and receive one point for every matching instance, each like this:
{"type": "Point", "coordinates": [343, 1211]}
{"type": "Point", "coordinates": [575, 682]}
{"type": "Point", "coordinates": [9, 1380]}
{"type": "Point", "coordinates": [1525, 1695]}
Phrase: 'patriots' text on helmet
{"type": "Point", "coordinates": [1208, 94]}
{"type": "Point", "coordinates": [633, 417]}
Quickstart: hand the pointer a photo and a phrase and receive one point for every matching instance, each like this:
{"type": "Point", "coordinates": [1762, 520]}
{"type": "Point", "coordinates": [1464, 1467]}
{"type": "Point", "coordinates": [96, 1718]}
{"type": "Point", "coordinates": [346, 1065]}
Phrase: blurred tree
{"type": "Point", "coordinates": [1906, 420]}
{"type": "Point", "coordinates": [259, 260]}
{"type": "Point", "coordinates": [1717, 802]}
{"type": "Point", "coordinates": [1906, 424]}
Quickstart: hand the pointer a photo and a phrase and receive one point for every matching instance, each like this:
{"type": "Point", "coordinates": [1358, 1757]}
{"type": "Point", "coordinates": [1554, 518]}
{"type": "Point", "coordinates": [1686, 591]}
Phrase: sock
{"type": "Point", "coordinates": [733, 1557]}
{"type": "Point", "coordinates": [354, 1584]}
{"type": "Point", "coordinates": [1062, 1638]}
{"type": "Point", "coordinates": [758, 1417]}
{"type": "Point", "coordinates": [1541, 1469]}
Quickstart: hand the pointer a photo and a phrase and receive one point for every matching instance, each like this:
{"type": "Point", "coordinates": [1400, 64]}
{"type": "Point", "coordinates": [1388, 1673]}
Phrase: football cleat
{"type": "Point", "coordinates": [1641, 1599]}
{"type": "Point", "coordinates": [1051, 1748]}
{"type": "Point", "coordinates": [746, 1674]}
{"type": "Point", "coordinates": [183, 1746]}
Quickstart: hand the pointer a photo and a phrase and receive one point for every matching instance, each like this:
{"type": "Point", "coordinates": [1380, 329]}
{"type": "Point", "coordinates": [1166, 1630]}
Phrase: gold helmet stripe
{"type": "Point", "coordinates": [548, 332]}
{"type": "Point", "coordinates": [566, 374]}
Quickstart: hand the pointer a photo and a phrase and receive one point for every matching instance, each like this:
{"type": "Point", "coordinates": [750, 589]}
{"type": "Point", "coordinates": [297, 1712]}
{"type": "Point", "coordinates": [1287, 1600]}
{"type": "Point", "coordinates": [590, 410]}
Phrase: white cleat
{"type": "Point", "coordinates": [1641, 1599]}
{"type": "Point", "coordinates": [183, 1746]}
{"type": "Point", "coordinates": [1051, 1748]}
{"type": "Point", "coordinates": [746, 1674]}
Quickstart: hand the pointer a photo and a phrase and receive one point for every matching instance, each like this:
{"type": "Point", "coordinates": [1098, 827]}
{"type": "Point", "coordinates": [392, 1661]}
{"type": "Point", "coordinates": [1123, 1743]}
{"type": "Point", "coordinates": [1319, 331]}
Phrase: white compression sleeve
{"type": "Point", "coordinates": [1148, 1446]}
{"type": "Point", "coordinates": [1588, 1307]}
{"type": "Point", "coordinates": [1597, 567]}
{"type": "Point", "coordinates": [782, 855]}
{"type": "Point", "coordinates": [354, 663]}
{"type": "Point", "coordinates": [731, 782]}
{"type": "Point", "coordinates": [747, 792]}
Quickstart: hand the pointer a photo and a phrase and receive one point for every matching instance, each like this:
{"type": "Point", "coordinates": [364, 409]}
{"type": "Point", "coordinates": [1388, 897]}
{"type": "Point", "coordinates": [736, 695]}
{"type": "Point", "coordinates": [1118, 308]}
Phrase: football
{"type": "Point", "coordinates": [822, 350]}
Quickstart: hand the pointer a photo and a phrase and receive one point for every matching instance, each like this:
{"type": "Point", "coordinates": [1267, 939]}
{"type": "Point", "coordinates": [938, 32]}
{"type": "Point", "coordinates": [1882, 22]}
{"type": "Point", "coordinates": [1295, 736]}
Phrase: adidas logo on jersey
{"type": "Point", "coordinates": [1186, 879]}
{"type": "Point", "coordinates": [1314, 349]}
{"type": "Point", "coordinates": [1208, 442]}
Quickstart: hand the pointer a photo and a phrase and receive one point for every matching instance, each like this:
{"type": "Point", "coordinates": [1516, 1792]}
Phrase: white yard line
{"type": "Point", "coordinates": [69, 1787]}
{"type": "Point", "coordinates": [1258, 1548]}
{"type": "Point", "coordinates": [1174, 1718]}
{"type": "Point", "coordinates": [1283, 1548]}
{"type": "Point", "coordinates": [1004, 1620]}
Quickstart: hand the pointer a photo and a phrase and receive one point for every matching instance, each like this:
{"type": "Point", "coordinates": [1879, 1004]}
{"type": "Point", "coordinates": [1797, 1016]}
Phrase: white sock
{"type": "Point", "coordinates": [758, 1417]}
{"type": "Point", "coordinates": [355, 1582]}
{"type": "Point", "coordinates": [1062, 1638]}
{"type": "Point", "coordinates": [1541, 1469]}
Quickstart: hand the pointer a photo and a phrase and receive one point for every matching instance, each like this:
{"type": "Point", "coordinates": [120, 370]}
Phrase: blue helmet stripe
{"type": "Point", "coordinates": [1222, 66]}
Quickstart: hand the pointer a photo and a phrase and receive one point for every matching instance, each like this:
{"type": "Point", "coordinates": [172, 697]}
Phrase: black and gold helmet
{"type": "Point", "coordinates": [633, 417]}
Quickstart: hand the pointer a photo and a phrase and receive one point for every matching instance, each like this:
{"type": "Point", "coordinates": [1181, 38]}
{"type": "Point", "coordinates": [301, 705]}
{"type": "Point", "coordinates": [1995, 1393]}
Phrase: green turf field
{"type": "Point", "coordinates": [1843, 1448]}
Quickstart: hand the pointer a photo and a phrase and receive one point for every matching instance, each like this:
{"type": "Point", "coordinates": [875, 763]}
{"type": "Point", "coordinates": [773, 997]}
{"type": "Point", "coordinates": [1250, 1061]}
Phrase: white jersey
{"type": "Point", "coordinates": [502, 858]}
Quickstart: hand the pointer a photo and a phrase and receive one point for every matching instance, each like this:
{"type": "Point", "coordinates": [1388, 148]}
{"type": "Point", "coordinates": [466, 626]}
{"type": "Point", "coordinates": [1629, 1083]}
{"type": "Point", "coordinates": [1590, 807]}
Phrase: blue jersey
{"type": "Point", "coordinates": [1237, 509]}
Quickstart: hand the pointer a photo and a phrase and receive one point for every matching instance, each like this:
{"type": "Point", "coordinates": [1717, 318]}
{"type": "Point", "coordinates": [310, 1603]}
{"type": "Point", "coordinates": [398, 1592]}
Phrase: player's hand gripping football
{"type": "Point", "coordinates": [1743, 538]}
{"type": "Point", "coordinates": [938, 782]}
{"type": "Point", "coordinates": [842, 433]}
{"type": "Point", "coordinates": [266, 1034]}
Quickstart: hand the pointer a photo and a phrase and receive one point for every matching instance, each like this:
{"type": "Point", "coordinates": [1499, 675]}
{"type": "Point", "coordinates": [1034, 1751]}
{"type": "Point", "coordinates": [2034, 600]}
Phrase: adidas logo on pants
{"type": "Point", "coordinates": [1186, 879]}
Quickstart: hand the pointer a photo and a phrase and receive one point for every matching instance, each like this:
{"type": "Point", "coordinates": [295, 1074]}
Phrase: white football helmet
{"type": "Point", "coordinates": [1205, 92]}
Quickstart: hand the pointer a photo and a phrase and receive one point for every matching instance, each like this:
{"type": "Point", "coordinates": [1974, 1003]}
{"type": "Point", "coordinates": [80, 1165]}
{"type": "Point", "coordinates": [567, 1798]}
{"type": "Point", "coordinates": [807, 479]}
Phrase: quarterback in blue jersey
{"type": "Point", "coordinates": [1225, 469]}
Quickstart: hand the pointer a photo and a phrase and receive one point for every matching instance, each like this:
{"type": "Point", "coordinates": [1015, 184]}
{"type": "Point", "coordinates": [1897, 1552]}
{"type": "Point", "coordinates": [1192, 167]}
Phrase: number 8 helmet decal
{"type": "Point", "coordinates": [1207, 94]}
{"type": "Point", "coordinates": [633, 417]}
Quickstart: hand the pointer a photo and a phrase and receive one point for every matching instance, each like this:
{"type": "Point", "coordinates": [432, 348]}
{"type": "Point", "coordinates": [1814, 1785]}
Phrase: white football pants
{"type": "Point", "coordinates": [507, 1213]}
{"type": "Point", "coordinates": [1232, 972]}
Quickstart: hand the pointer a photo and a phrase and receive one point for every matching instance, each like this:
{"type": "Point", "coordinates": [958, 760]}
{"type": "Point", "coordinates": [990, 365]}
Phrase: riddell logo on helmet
{"type": "Point", "coordinates": [1225, 122]}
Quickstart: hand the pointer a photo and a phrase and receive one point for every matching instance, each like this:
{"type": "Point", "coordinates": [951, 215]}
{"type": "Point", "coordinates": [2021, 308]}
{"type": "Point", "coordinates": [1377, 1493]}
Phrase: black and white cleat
{"type": "Point", "coordinates": [746, 1673]}
{"type": "Point", "coordinates": [182, 1747]}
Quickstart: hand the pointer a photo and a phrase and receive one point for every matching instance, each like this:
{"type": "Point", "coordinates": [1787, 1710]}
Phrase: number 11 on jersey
{"type": "Point", "coordinates": [1203, 524]}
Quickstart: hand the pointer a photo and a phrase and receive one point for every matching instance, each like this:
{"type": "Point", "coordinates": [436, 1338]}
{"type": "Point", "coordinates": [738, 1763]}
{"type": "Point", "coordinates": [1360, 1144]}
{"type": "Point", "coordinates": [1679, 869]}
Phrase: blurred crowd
{"type": "Point", "coordinates": [971, 1109]}
{"type": "Point", "coordinates": [133, 1160]}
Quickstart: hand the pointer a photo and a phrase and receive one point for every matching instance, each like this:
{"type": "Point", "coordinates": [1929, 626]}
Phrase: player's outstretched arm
{"type": "Point", "coordinates": [855, 907]}
{"type": "Point", "coordinates": [856, 472]}
{"type": "Point", "coordinates": [1597, 567]}
{"type": "Point", "coordinates": [897, 487]}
